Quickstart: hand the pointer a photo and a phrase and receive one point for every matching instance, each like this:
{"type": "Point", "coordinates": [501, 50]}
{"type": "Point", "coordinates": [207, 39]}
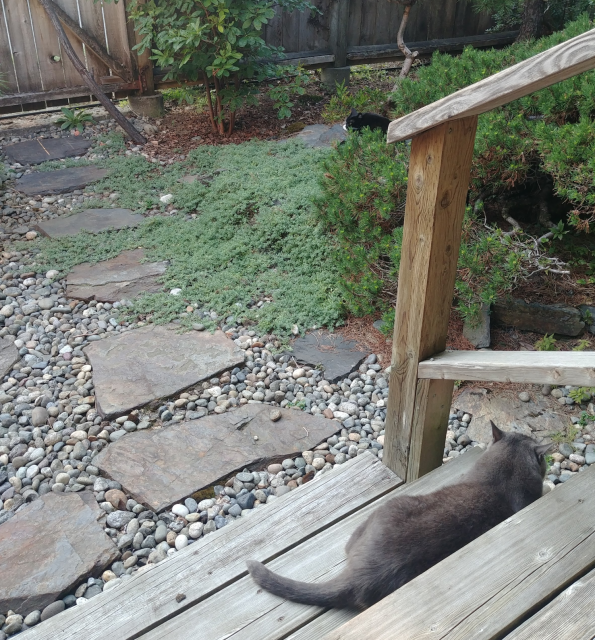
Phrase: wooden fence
{"type": "Point", "coordinates": [37, 74]}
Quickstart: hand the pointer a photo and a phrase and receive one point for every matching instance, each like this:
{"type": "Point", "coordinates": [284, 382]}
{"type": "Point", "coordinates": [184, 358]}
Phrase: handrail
{"type": "Point", "coordinates": [542, 70]}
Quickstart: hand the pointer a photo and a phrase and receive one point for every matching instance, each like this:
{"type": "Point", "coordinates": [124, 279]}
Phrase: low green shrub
{"type": "Point", "coordinates": [551, 130]}
{"type": "Point", "coordinates": [363, 99]}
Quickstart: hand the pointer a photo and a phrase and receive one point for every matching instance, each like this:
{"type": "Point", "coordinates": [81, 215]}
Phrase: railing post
{"type": "Point", "coordinates": [417, 415]}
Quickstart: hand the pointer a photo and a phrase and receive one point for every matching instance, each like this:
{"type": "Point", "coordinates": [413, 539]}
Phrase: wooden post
{"type": "Point", "coordinates": [417, 414]}
{"type": "Point", "coordinates": [339, 24]}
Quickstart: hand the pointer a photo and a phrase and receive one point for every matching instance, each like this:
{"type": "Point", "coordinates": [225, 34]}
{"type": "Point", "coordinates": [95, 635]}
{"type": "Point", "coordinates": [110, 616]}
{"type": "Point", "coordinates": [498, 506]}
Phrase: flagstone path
{"type": "Point", "coordinates": [50, 547]}
{"type": "Point", "coordinates": [320, 135]}
{"type": "Point", "coordinates": [161, 467]}
{"type": "Point", "coordinates": [62, 181]}
{"type": "Point", "coordinates": [124, 277]}
{"type": "Point", "coordinates": [43, 149]}
{"type": "Point", "coordinates": [91, 220]}
{"type": "Point", "coordinates": [337, 356]}
{"type": "Point", "coordinates": [138, 367]}
{"type": "Point", "coordinates": [9, 354]}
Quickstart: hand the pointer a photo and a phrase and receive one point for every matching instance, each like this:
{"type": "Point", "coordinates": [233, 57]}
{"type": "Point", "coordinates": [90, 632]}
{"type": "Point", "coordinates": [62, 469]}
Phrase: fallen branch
{"type": "Point", "coordinates": [48, 5]}
{"type": "Point", "coordinates": [516, 227]}
{"type": "Point", "coordinates": [87, 39]}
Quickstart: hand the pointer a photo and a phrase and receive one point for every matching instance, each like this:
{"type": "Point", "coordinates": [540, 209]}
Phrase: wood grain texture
{"type": "Point", "coordinates": [490, 586]}
{"type": "Point", "coordinates": [541, 367]}
{"type": "Point", "coordinates": [6, 62]}
{"type": "Point", "coordinates": [257, 614]}
{"type": "Point", "coordinates": [217, 560]}
{"type": "Point", "coordinates": [439, 168]}
{"type": "Point", "coordinates": [558, 63]}
{"type": "Point", "coordinates": [571, 616]}
{"type": "Point", "coordinates": [23, 51]}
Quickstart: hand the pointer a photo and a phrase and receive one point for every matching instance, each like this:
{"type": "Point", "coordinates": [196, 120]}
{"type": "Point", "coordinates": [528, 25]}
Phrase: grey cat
{"type": "Point", "coordinates": [409, 534]}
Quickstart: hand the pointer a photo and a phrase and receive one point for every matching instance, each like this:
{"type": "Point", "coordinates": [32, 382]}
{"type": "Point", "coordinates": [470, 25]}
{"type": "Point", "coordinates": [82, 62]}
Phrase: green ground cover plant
{"type": "Point", "coordinates": [254, 236]}
{"type": "Point", "coordinates": [551, 131]}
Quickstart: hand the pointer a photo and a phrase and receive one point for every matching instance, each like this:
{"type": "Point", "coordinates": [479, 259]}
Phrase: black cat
{"type": "Point", "coordinates": [409, 534]}
{"type": "Point", "coordinates": [357, 121]}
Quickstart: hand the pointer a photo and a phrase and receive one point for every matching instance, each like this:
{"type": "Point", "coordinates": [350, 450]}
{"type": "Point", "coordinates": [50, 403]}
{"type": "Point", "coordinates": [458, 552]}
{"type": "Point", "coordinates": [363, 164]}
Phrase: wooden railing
{"type": "Point", "coordinates": [422, 375]}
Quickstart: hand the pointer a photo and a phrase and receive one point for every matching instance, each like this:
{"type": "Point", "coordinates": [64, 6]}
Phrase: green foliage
{"type": "Point", "coordinates": [254, 236]}
{"type": "Point", "coordinates": [565, 436]}
{"type": "Point", "coordinates": [366, 99]}
{"type": "Point", "coordinates": [191, 95]}
{"type": "Point", "coordinates": [217, 42]}
{"type": "Point", "coordinates": [552, 129]}
{"type": "Point", "coordinates": [281, 94]}
{"type": "Point", "coordinates": [71, 119]}
{"type": "Point", "coordinates": [547, 343]}
{"type": "Point", "coordinates": [584, 419]}
{"type": "Point", "coordinates": [581, 394]}
{"type": "Point", "coordinates": [582, 345]}
{"type": "Point", "coordinates": [362, 206]}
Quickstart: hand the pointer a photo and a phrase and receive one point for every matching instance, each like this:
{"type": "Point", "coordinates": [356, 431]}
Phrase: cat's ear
{"type": "Point", "coordinates": [496, 433]}
{"type": "Point", "coordinates": [542, 449]}
{"type": "Point", "coordinates": [353, 111]}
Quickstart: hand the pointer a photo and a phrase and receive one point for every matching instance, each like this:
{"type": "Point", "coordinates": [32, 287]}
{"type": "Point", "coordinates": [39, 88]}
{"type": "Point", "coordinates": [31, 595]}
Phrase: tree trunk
{"type": "Point", "coordinates": [532, 20]}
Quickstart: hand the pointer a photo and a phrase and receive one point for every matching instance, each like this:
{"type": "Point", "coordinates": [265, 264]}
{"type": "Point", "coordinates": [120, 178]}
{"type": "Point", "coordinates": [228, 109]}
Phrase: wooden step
{"type": "Point", "coordinates": [491, 585]}
{"type": "Point", "coordinates": [541, 367]}
{"type": "Point", "coordinates": [571, 616]}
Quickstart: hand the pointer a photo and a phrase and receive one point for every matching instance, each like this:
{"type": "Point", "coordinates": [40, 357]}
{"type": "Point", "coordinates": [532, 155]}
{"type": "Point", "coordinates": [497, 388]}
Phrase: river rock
{"type": "Point", "coordinates": [540, 318]}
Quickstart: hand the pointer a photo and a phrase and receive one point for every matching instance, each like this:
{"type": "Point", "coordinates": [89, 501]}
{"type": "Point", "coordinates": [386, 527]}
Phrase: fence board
{"type": "Point", "coordinates": [117, 33]}
{"type": "Point", "coordinates": [23, 51]}
{"type": "Point", "coordinates": [7, 70]}
{"type": "Point", "coordinates": [71, 75]}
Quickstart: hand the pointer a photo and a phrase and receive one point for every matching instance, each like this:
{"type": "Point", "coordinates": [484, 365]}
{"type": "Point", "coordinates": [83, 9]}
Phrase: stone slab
{"type": "Point", "coordinates": [160, 467]}
{"type": "Point", "coordinates": [91, 220]}
{"type": "Point", "coordinates": [321, 135]}
{"type": "Point", "coordinates": [43, 149]}
{"type": "Point", "coordinates": [124, 276]}
{"type": "Point", "coordinates": [339, 357]}
{"type": "Point", "coordinates": [538, 417]}
{"type": "Point", "coordinates": [540, 318]}
{"type": "Point", "coordinates": [49, 547]}
{"type": "Point", "coordinates": [141, 366]}
{"type": "Point", "coordinates": [62, 181]}
{"type": "Point", "coordinates": [9, 354]}
{"type": "Point", "coordinates": [479, 335]}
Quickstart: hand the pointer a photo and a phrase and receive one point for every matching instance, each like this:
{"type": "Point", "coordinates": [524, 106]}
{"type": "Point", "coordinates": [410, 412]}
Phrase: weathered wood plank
{"type": "Point", "coordinates": [571, 616]}
{"type": "Point", "coordinates": [439, 169]}
{"type": "Point", "coordinates": [558, 63]}
{"type": "Point", "coordinates": [47, 45]}
{"type": "Point", "coordinates": [23, 51]}
{"type": "Point", "coordinates": [427, 47]}
{"type": "Point", "coordinates": [58, 94]}
{"type": "Point", "coordinates": [327, 621]}
{"type": "Point", "coordinates": [6, 62]}
{"type": "Point", "coordinates": [491, 585]}
{"type": "Point", "coordinates": [72, 77]}
{"type": "Point", "coordinates": [540, 367]}
{"type": "Point", "coordinates": [114, 15]}
{"type": "Point", "coordinates": [206, 566]}
{"type": "Point", "coordinates": [257, 614]}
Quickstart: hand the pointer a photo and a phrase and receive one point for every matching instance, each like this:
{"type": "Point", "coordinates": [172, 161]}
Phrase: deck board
{"type": "Point", "coordinates": [571, 616]}
{"type": "Point", "coordinates": [486, 589]}
{"type": "Point", "coordinates": [257, 614]}
{"type": "Point", "coordinates": [203, 568]}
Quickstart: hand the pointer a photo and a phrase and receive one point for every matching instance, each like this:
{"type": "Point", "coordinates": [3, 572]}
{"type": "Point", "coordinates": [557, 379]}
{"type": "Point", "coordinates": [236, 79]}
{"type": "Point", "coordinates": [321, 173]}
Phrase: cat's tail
{"type": "Point", "coordinates": [333, 594]}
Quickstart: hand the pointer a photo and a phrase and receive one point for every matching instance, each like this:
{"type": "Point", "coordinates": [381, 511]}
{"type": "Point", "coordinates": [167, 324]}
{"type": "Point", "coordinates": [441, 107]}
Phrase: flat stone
{"type": "Point", "coordinates": [91, 220]}
{"type": "Point", "coordinates": [61, 181]}
{"type": "Point", "coordinates": [538, 418]}
{"type": "Point", "coordinates": [9, 354]}
{"type": "Point", "coordinates": [123, 277]}
{"type": "Point", "coordinates": [540, 318]}
{"type": "Point", "coordinates": [339, 357]}
{"type": "Point", "coordinates": [135, 368]}
{"type": "Point", "coordinates": [479, 335]}
{"type": "Point", "coordinates": [321, 135]}
{"type": "Point", "coordinates": [41, 150]}
{"type": "Point", "coordinates": [159, 468]}
{"type": "Point", "coordinates": [49, 547]}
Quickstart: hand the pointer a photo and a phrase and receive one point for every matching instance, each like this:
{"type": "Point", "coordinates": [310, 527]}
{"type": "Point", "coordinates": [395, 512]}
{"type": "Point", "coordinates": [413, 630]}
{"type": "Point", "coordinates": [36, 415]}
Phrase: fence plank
{"type": "Point", "coordinates": [72, 78]}
{"type": "Point", "coordinates": [23, 51]}
{"type": "Point", "coordinates": [6, 62]}
{"type": "Point", "coordinates": [117, 33]}
{"type": "Point", "coordinates": [439, 169]}
{"type": "Point", "coordinates": [542, 70]}
{"type": "Point", "coordinates": [354, 28]}
{"type": "Point", "coordinates": [92, 22]}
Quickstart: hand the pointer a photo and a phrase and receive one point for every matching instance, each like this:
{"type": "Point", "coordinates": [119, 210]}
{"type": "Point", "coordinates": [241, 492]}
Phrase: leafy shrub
{"type": "Point", "coordinates": [552, 129]}
{"type": "Point", "coordinates": [71, 119]}
{"type": "Point", "coordinates": [547, 343]}
{"type": "Point", "coordinates": [366, 99]}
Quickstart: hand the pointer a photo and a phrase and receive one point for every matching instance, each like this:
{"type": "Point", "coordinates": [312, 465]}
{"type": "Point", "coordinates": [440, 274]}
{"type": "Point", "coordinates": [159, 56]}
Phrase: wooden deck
{"type": "Point", "coordinates": [484, 591]}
